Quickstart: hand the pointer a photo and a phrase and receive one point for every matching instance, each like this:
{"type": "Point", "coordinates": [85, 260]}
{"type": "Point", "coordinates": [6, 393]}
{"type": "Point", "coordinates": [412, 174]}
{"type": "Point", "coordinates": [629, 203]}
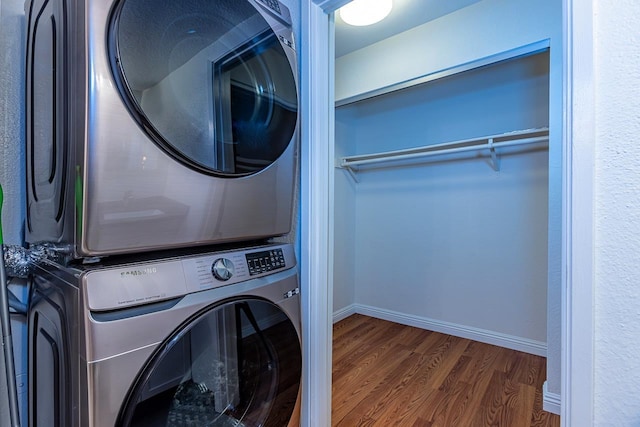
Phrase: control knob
{"type": "Point", "coordinates": [222, 269]}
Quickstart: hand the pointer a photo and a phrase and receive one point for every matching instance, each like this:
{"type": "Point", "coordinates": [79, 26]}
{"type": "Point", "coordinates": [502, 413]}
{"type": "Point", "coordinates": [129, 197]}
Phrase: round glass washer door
{"type": "Point", "coordinates": [236, 364]}
{"type": "Point", "coordinates": [209, 81]}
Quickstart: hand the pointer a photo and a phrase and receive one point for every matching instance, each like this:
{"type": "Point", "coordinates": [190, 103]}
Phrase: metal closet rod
{"type": "Point", "coordinates": [490, 142]}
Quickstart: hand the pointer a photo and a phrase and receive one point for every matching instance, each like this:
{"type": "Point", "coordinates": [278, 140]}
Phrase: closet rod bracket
{"type": "Point", "coordinates": [351, 170]}
{"type": "Point", "coordinates": [353, 174]}
{"type": "Point", "coordinates": [495, 159]}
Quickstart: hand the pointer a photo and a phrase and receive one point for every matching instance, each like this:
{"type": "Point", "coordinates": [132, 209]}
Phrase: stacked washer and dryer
{"type": "Point", "coordinates": [161, 162]}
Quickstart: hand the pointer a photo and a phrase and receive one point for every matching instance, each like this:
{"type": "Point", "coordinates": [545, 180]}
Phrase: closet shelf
{"type": "Point", "coordinates": [353, 164]}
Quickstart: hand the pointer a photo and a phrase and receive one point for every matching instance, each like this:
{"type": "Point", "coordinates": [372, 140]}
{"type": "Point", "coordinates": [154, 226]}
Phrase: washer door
{"type": "Point", "coordinates": [237, 364]}
{"type": "Point", "coordinates": [211, 82]}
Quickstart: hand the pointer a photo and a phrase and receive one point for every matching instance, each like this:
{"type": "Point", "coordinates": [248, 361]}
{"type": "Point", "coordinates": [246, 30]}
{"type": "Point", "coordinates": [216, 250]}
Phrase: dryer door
{"type": "Point", "coordinates": [212, 82]}
{"type": "Point", "coordinates": [236, 364]}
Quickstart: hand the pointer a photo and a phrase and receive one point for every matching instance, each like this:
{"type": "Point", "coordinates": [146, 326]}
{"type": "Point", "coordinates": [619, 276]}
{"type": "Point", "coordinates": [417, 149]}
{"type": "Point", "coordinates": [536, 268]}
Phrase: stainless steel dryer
{"type": "Point", "coordinates": [194, 340]}
{"type": "Point", "coordinates": [156, 124]}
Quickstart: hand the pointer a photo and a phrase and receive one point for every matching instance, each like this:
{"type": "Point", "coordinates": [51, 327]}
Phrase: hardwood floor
{"type": "Point", "coordinates": [386, 374]}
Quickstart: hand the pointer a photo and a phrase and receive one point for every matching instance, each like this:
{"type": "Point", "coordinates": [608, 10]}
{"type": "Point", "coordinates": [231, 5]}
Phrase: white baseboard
{"type": "Point", "coordinates": [490, 337]}
{"type": "Point", "coordinates": [551, 402]}
{"type": "Point", "coordinates": [343, 313]}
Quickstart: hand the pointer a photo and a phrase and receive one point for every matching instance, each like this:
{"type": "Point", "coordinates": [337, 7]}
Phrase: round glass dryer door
{"type": "Point", "coordinates": [209, 81]}
{"type": "Point", "coordinates": [237, 364]}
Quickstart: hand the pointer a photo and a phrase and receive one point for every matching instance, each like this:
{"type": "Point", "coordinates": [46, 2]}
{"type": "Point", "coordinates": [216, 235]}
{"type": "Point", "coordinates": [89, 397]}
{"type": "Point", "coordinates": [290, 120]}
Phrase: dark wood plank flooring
{"type": "Point", "coordinates": [386, 374]}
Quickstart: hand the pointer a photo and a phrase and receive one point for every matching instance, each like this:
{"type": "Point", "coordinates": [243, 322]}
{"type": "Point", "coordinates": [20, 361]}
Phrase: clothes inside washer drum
{"type": "Point", "coordinates": [192, 406]}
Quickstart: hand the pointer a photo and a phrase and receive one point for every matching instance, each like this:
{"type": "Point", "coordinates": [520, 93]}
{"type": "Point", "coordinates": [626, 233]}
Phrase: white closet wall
{"type": "Point", "coordinates": [483, 29]}
{"type": "Point", "coordinates": [449, 244]}
{"type": "Point", "coordinates": [344, 253]}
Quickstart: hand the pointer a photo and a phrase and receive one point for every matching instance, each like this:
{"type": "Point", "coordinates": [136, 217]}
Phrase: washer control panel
{"type": "Point", "coordinates": [143, 283]}
{"type": "Point", "coordinates": [227, 268]}
{"type": "Point", "coordinates": [265, 261]}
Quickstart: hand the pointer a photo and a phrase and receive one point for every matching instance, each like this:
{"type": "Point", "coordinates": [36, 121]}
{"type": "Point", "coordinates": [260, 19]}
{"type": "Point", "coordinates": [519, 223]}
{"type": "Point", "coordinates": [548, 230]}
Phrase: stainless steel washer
{"type": "Point", "coordinates": [190, 340]}
{"type": "Point", "coordinates": [155, 124]}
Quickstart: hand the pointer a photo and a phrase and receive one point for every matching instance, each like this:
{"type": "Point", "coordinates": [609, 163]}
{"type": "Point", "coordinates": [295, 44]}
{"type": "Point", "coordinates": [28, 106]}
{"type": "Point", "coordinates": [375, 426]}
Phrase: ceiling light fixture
{"type": "Point", "coordinates": [365, 12]}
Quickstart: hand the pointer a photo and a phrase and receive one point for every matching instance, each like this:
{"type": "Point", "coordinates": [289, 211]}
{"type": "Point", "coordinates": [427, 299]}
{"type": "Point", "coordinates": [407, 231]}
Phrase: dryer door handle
{"type": "Point", "coordinates": [125, 313]}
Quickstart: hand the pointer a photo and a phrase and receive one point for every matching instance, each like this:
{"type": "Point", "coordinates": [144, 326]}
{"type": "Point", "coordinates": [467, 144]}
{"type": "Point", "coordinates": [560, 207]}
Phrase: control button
{"type": "Point", "coordinates": [273, 5]}
{"type": "Point", "coordinates": [222, 269]}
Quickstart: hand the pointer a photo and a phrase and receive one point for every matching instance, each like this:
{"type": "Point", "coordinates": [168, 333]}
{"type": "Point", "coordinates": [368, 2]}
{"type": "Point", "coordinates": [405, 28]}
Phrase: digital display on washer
{"type": "Point", "coordinates": [261, 262]}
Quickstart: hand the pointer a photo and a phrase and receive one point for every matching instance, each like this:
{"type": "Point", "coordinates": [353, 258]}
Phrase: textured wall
{"type": "Point", "coordinates": [11, 139]}
{"type": "Point", "coordinates": [12, 118]}
{"type": "Point", "coordinates": [617, 213]}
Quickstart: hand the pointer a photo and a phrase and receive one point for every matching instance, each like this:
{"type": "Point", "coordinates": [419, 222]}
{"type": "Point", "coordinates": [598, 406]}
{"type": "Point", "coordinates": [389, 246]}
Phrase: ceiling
{"type": "Point", "coordinates": [405, 15]}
